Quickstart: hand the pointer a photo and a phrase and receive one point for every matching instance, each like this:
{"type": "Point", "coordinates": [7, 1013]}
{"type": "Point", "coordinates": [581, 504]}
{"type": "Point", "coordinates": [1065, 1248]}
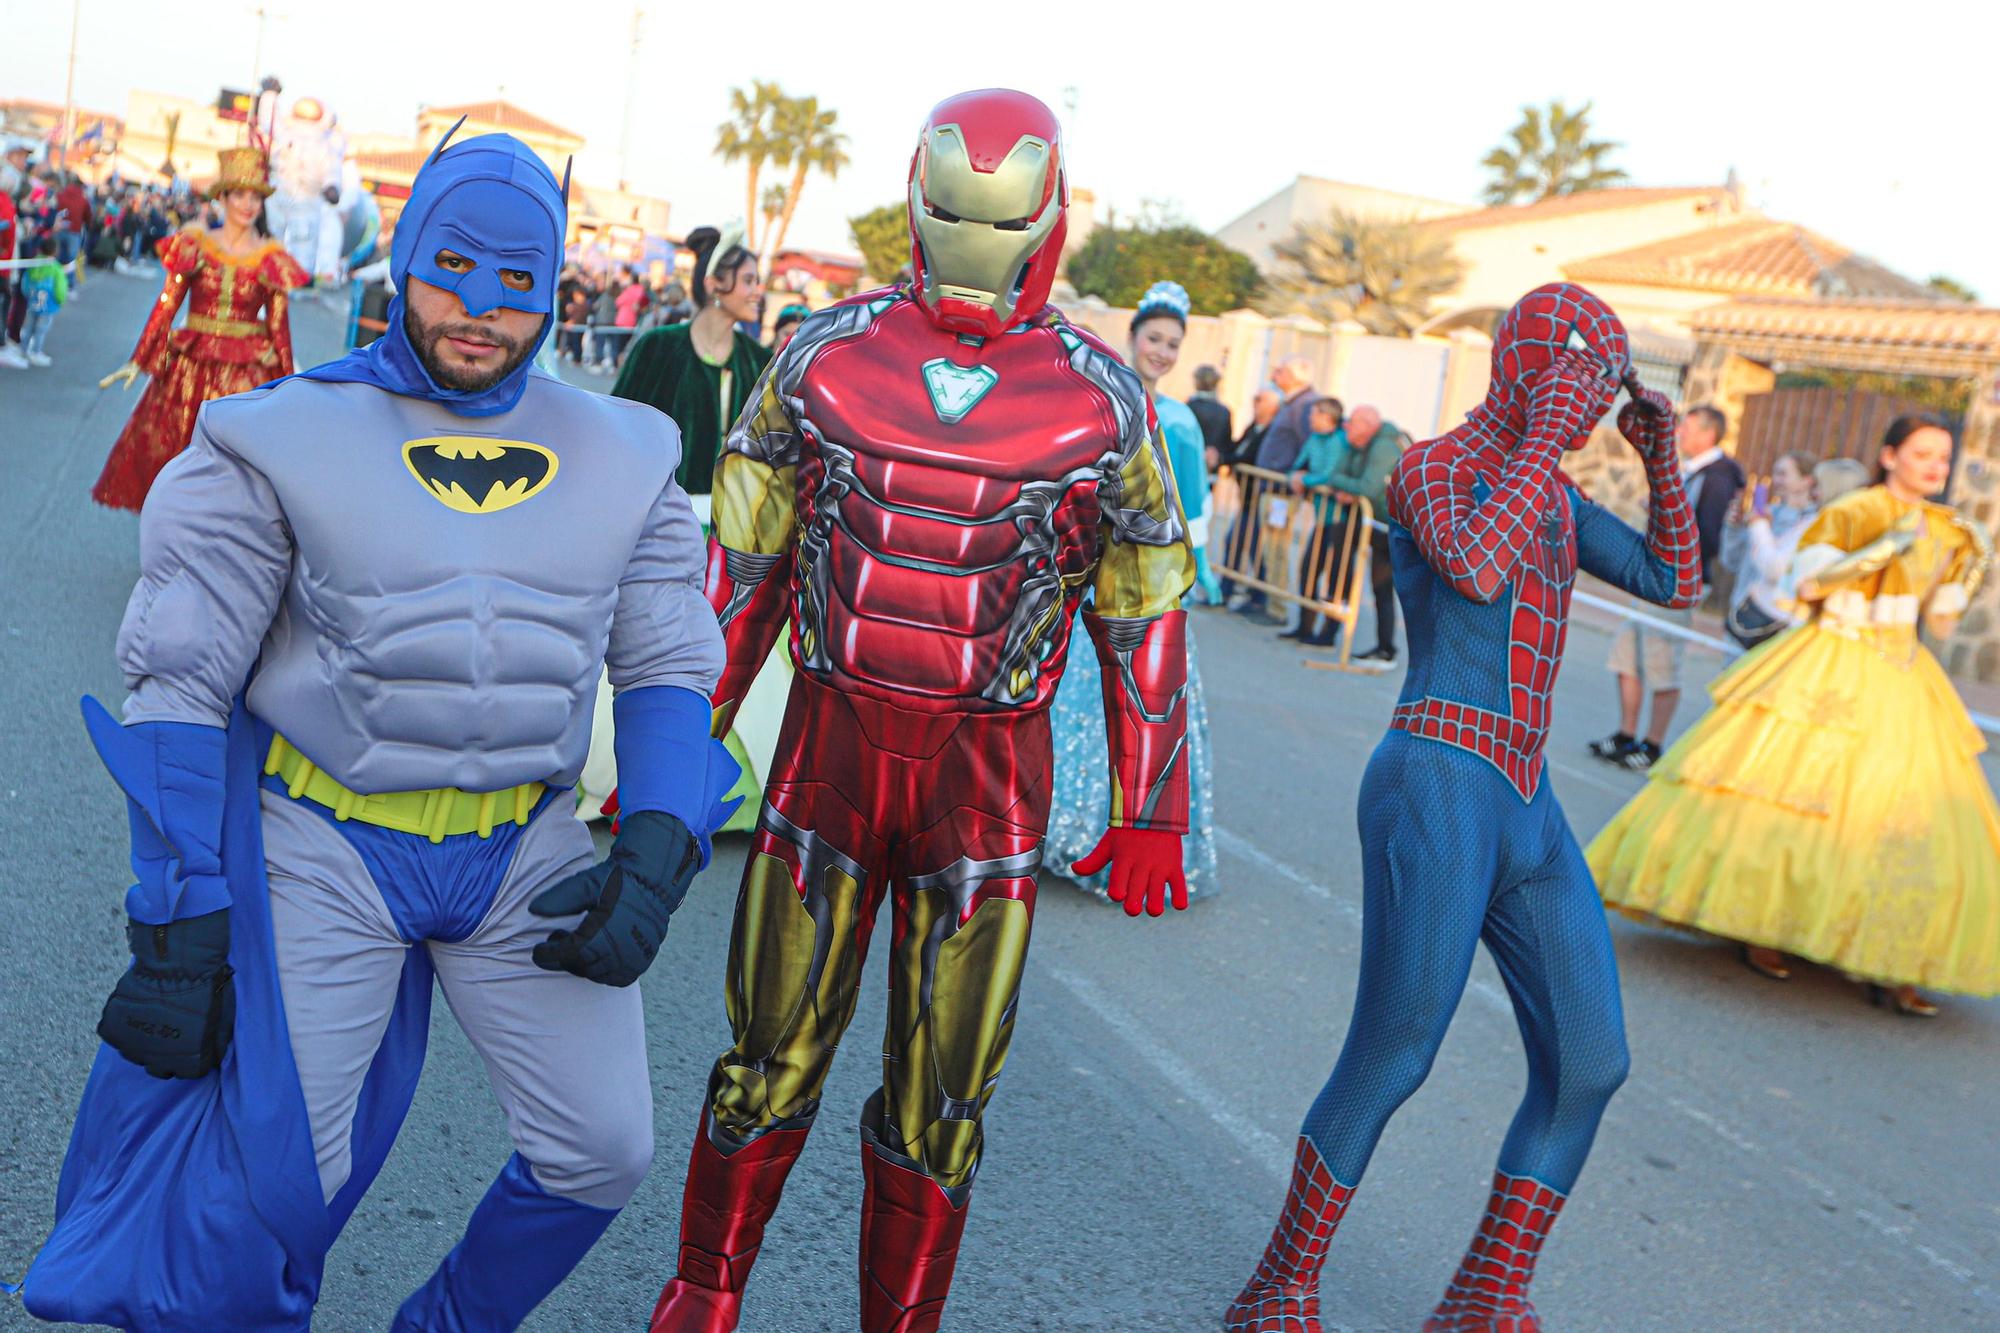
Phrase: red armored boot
{"type": "Point", "coordinates": [728, 1200]}
{"type": "Point", "coordinates": [910, 1231]}
{"type": "Point", "coordinates": [1490, 1292]}
{"type": "Point", "coordinates": [1283, 1294]}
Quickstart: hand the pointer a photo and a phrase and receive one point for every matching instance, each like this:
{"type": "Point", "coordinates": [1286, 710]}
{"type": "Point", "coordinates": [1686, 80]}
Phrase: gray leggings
{"type": "Point", "coordinates": [566, 1057]}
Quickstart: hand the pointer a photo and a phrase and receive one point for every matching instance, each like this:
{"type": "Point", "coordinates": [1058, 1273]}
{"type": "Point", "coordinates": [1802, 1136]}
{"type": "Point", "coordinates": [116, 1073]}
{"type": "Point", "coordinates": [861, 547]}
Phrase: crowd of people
{"type": "Point", "coordinates": [604, 311]}
{"type": "Point", "coordinates": [66, 224]}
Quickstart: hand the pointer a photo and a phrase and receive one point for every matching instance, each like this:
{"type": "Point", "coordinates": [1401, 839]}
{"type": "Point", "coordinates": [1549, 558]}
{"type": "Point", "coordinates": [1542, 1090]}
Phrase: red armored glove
{"type": "Point", "coordinates": [1145, 863]}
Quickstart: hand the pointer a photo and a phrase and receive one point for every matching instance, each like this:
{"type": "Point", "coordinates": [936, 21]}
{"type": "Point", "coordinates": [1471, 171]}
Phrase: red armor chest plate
{"type": "Point", "coordinates": [939, 558]}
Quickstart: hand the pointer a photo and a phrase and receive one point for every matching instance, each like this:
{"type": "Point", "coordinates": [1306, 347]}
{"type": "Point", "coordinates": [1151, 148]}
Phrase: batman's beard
{"type": "Point", "coordinates": [424, 342]}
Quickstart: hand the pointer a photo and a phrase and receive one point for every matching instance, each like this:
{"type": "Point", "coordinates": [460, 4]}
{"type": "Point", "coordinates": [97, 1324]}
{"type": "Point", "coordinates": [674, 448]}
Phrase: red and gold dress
{"type": "Point", "coordinates": [236, 337]}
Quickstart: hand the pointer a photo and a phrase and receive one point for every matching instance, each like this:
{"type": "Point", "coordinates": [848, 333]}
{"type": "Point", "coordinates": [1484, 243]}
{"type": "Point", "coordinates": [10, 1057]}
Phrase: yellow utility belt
{"type": "Point", "coordinates": [440, 813]}
{"type": "Point", "coordinates": [227, 328]}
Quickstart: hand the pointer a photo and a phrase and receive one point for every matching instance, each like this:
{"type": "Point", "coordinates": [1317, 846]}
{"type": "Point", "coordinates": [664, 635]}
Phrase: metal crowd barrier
{"type": "Point", "coordinates": [1308, 549]}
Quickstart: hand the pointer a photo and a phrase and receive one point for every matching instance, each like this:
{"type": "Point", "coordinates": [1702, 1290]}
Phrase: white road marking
{"type": "Point", "coordinates": [1266, 1148]}
{"type": "Point", "coordinates": [1590, 779]}
{"type": "Point", "coordinates": [1239, 846]}
{"type": "Point", "coordinates": [1488, 994]}
{"type": "Point", "coordinates": [1901, 1233]}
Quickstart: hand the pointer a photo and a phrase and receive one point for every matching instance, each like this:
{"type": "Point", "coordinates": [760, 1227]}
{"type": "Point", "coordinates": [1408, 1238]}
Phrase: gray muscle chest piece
{"type": "Point", "coordinates": [453, 579]}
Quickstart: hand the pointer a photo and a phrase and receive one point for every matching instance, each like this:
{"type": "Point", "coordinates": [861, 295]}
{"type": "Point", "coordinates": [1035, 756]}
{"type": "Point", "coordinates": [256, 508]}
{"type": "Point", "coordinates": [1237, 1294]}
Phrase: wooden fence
{"type": "Point", "coordinates": [1820, 423]}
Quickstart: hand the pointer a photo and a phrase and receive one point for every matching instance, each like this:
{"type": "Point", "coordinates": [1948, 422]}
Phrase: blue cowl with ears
{"type": "Point", "coordinates": [492, 201]}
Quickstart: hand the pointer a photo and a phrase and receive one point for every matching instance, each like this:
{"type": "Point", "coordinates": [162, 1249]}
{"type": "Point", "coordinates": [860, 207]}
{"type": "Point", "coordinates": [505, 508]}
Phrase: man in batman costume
{"type": "Point", "coordinates": [374, 602]}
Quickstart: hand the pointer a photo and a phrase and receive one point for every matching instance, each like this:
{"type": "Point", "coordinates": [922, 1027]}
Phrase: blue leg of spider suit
{"type": "Point", "coordinates": [1453, 856]}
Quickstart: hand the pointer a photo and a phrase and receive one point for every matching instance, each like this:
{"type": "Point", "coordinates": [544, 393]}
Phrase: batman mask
{"type": "Point", "coordinates": [494, 204]}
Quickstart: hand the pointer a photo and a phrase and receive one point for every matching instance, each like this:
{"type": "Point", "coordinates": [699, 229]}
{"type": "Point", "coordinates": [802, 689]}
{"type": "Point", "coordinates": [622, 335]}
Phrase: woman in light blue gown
{"type": "Point", "coordinates": [1082, 793]}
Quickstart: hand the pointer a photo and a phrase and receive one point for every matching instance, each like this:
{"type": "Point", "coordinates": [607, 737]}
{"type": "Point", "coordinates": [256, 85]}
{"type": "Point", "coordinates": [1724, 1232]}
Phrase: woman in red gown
{"type": "Point", "coordinates": [236, 337]}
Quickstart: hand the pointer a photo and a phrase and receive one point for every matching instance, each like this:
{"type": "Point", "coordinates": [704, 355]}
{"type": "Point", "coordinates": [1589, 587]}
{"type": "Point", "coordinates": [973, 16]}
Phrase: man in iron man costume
{"type": "Point", "coordinates": [926, 483]}
{"type": "Point", "coordinates": [1462, 838]}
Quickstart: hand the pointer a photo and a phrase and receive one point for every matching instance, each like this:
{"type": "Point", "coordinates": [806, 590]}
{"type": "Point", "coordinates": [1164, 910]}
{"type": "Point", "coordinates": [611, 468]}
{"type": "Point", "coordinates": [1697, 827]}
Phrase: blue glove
{"type": "Point", "coordinates": [173, 777]}
{"type": "Point", "coordinates": [667, 761]}
{"type": "Point", "coordinates": [626, 900]}
{"type": "Point", "coordinates": [672, 777]}
{"type": "Point", "coordinates": [174, 1010]}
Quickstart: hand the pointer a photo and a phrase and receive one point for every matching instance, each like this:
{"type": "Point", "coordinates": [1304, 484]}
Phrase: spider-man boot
{"type": "Point", "coordinates": [1489, 1294]}
{"type": "Point", "coordinates": [910, 1229]}
{"type": "Point", "coordinates": [1283, 1294]}
{"type": "Point", "coordinates": [729, 1198]}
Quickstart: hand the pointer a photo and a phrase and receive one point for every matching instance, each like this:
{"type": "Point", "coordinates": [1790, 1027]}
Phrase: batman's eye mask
{"type": "Point", "coordinates": [515, 279]}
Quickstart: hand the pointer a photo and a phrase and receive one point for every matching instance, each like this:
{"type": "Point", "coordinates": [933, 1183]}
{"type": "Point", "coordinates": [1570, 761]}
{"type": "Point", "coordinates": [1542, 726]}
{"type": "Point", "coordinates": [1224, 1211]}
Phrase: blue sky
{"type": "Point", "coordinates": [1868, 130]}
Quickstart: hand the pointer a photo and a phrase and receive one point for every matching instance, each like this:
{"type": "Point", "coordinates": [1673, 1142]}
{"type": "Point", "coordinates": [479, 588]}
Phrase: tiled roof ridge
{"type": "Point", "coordinates": [1582, 201]}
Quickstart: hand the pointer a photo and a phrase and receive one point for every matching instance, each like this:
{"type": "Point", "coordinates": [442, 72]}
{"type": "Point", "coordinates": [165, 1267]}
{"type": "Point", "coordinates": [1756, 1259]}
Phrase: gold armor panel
{"type": "Point", "coordinates": [794, 973]}
{"type": "Point", "coordinates": [951, 1016]}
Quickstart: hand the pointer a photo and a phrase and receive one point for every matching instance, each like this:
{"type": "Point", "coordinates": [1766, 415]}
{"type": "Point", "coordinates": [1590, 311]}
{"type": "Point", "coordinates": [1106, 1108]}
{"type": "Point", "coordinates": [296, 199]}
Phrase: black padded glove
{"type": "Point", "coordinates": [174, 1010]}
{"type": "Point", "coordinates": [626, 900]}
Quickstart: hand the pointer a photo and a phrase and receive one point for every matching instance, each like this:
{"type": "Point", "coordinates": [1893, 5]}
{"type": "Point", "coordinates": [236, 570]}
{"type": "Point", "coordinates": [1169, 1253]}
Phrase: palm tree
{"type": "Point", "coordinates": [806, 140]}
{"type": "Point", "coordinates": [772, 204]}
{"type": "Point", "coordinates": [746, 137]}
{"type": "Point", "coordinates": [1382, 274]}
{"type": "Point", "coordinates": [1550, 153]}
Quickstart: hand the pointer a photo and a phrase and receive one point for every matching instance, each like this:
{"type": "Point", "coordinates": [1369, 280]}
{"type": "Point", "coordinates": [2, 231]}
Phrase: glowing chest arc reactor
{"type": "Point", "coordinates": [955, 390]}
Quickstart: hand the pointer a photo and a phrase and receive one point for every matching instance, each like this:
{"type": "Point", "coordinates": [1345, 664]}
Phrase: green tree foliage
{"type": "Point", "coordinates": [1953, 288]}
{"type": "Point", "coordinates": [1118, 263]}
{"type": "Point", "coordinates": [1550, 152]}
{"type": "Point", "coordinates": [1384, 275]}
{"type": "Point", "coordinates": [882, 235]}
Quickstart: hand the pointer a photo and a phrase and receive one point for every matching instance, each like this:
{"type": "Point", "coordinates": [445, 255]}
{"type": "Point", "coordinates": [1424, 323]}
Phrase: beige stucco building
{"type": "Point", "coordinates": [1311, 198]}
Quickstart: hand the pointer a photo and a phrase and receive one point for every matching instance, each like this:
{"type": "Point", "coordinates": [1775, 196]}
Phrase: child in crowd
{"type": "Point", "coordinates": [46, 287]}
{"type": "Point", "coordinates": [1314, 467]}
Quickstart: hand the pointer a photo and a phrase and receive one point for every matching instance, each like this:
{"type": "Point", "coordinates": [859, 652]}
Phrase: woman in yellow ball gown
{"type": "Point", "coordinates": [1831, 804]}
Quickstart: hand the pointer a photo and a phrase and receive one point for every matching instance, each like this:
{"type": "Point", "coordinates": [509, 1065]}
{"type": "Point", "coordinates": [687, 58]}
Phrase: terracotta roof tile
{"type": "Point", "coordinates": [1753, 257]}
{"type": "Point", "coordinates": [503, 115]}
{"type": "Point", "coordinates": [1946, 336]}
{"type": "Point", "coordinates": [1568, 205]}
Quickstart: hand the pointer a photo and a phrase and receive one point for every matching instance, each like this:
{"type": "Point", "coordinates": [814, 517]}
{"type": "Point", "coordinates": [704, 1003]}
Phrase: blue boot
{"type": "Point", "coordinates": [521, 1243]}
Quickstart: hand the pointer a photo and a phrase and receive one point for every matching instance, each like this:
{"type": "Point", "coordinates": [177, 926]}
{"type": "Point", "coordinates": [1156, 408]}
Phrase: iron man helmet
{"type": "Point", "coordinates": [988, 210]}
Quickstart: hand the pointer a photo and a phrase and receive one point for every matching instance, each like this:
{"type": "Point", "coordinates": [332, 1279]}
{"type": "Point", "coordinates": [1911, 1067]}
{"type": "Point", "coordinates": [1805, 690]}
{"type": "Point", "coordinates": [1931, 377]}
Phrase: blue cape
{"type": "Point", "coordinates": [496, 204]}
{"type": "Point", "coordinates": [189, 1205]}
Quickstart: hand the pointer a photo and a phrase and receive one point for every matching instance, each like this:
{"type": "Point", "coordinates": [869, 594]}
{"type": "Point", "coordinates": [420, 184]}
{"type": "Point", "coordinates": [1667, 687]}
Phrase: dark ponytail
{"type": "Point", "coordinates": [703, 240]}
{"type": "Point", "coordinates": [1901, 429]}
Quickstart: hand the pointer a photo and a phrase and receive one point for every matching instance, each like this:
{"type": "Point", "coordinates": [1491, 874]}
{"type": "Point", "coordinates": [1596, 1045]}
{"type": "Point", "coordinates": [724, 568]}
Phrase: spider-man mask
{"type": "Point", "coordinates": [1542, 325]}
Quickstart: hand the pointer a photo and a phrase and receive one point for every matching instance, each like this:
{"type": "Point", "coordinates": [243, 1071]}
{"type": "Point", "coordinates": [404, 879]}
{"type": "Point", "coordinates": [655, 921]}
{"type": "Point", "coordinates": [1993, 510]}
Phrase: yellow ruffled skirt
{"type": "Point", "coordinates": [1831, 805]}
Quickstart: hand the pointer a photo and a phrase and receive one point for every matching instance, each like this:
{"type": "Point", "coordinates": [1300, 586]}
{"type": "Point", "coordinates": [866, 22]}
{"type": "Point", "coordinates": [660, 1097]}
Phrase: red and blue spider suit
{"type": "Point", "coordinates": [925, 483]}
{"type": "Point", "coordinates": [1462, 838]}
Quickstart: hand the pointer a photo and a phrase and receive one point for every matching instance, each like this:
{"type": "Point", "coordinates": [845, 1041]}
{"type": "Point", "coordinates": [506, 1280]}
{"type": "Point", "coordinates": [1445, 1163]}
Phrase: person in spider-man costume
{"type": "Point", "coordinates": [925, 482]}
{"type": "Point", "coordinates": [1462, 838]}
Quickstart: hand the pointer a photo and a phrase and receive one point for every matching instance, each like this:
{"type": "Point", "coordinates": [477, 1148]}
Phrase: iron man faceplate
{"type": "Point", "coordinates": [989, 207]}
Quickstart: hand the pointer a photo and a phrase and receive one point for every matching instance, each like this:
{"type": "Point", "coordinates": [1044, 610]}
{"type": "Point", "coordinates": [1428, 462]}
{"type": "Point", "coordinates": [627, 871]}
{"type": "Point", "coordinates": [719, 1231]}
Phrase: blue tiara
{"type": "Point", "coordinates": [1165, 298]}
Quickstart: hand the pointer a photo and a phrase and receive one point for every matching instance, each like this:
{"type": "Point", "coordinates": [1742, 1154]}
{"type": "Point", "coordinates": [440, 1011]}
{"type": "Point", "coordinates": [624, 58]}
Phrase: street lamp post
{"type": "Point", "coordinates": [69, 85]}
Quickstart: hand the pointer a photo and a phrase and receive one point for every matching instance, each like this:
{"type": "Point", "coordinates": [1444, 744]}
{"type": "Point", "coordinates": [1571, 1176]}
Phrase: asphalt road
{"type": "Point", "coordinates": [1784, 1157]}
